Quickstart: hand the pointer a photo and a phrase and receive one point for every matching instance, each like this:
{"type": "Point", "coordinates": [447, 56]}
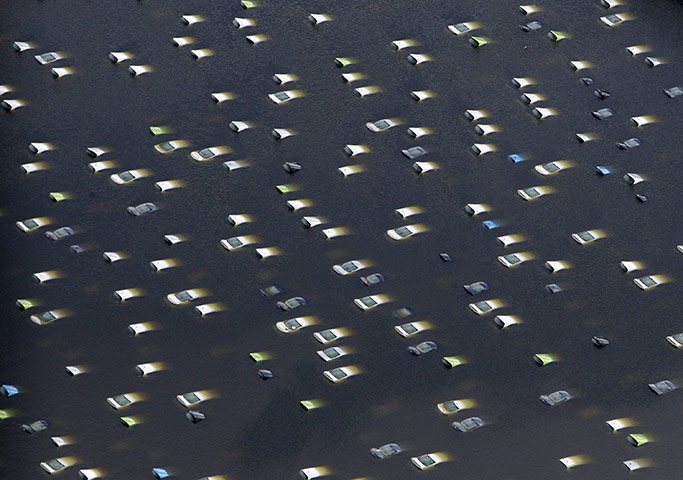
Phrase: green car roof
{"type": "Point", "coordinates": [160, 130]}
{"type": "Point", "coordinates": [479, 41]}
{"type": "Point", "coordinates": [344, 61]}
{"type": "Point", "coordinates": [312, 404]}
{"type": "Point", "coordinates": [545, 358]}
{"type": "Point", "coordinates": [451, 362]}
{"type": "Point", "coordinates": [59, 196]}
{"type": "Point", "coordinates": [290, 187]}
{"type": "Point", "coordinates": [556, 35]}
{"type": "Point", "coordinates": [26, 303]}
{"type": "Point", "coordinates": [260, 356]}
{"type": "Point", "coordinates": [249, 4]}
{"type": "Point", "coordinates": [130, 421]}
{"type": "Point", "coordinates": [639, 439]}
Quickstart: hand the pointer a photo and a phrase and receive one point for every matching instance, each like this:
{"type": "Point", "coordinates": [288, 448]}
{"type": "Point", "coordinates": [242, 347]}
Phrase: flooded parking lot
{"type": "Point", "coordinates": [257, 428]}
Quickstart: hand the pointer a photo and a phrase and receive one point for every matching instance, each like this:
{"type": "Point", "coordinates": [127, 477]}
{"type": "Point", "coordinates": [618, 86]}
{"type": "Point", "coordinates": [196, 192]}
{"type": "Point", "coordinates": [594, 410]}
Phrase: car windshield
{"type": "Point", "coordinates": [425, 347]}
{"type": "Point", "coordinates": [403, 231]}
{"type": "Point", "coordinates": [512, 258]}
{"type": "Point", "coordinates": [31, 223]}
{"type": "Point", "coordinates": [292, 324]}
{"type": "Point", "coordinates": [293, 302]}
{"type": "Point", "coordinates": [48, 57]}
{"type": "Point", "coordinates": [409, 328]}
{"type": "Point", "coordinates": [350, 266]}
{"type": "Point", "coordinates": [450, 406]}
{"type": "Point", "coordinates": [461, 27]}
{"type": "Point", "coordinates": [426, 460]}
{"type": "Point", "coordinates": [166, 146]}
{"type": "Point", "coordinates": [678, 337]}
{"type": "Point", "coordinates": [328, 335]}
{"type": "Point", "coordinates": [374, 278]}
{"type": "Point", "coordinates": [121, 400]}
{"type": "Point", "coordinates": [469, 423]}
{"type": "Point", "coordinates": [338, 373]}
{"type": "Point", "coordinates": [281, 96]}
{"type": "Point", "coordinates": [483, 306]}
{"type": "Point", "coordinates": [415, 151]}
{"type": "Point", "coordinates": [368, 301]}
{"type": "Point", "coordinates": [613, 18]}
{"type": "Point", "coordinates": [532, 192]}
{"type": "Point", "coordinates": [272, 290]}
{"type": "Point", "coordinates": [551, 167]}
{"type": "Point", "coordinates": [206, 153]}
{"type": "Point", "coordinates": [382, 124]}
{"type": "Point", "coordinates": [191, 397]}
{"type": "Point", "coordinates": [664, 386]}
{"type": "Point", "coordinates": [632, 142]}
{"type": "Point", "coordinates": [648, 281]}
{"type": "Point", "coordinates": [586, 236]}
{"type": "Point", "coordinates": [144, 208]}
{"type": "Point", "coordinates": [55, 464]}
{"type": "Point", "coordinates": [331, 352]}
{"type": "Point", "coordinates": [183, 296]}
{"type": "Point", "coordinates": [63, 232]}
{"type": "Point", "coordinates": [557, 397]}
{"type": "Point", "coordinates": [48, 316]}
{"type": "Point", "coordinates": [125, 176]}
{"type": "Point", "coordinates": [478, 287]}
{"type": "Point", "coordinates": [235, 242]}
{"type": "Point", "coordinates": [388, 449]}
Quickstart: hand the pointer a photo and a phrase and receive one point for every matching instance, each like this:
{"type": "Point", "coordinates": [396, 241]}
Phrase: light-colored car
{"type": "Point", "coordinates": [462, 28]}
{"type": "Point", "coordinates": [676, 340]}
{"type": "Point", "coordinates": [295, 324]}
{"type": "Point", "coordinates": [234, 243]}
{"type": "Point", "coordinates": [473, 209]}
{"type": "Point", "coordinates": [556, 398]}
{"type": "Point", "coordinates": [468, 424]}
{"type": "Point", "coordinates": [453, 406]}
{"type": "Point", "coordinates": [533, 193]}
{"type": "Point", "coordinates": [486, 306]}
{"type": "Point", "coordinates": [31, 224]}
{"type": "Point", "coordinates": [552, 168]}
{"type": "Point", "coordinates": [660, 388]}
{"type": "Point", "coordinates": [128, 176]}
{"type": "Point", "coordinates": [49, 57]}
{"type": "Point", "coordinates": [170, 146]}
{"type": "Point", "coordinates": [428, 460]}
{"type": "Point", "coordinates": [330, 335]}
{"type": "Point", "coordinates": [514, 259]}
{"type": "Point", "coordinates": [338, 374]}
{"type": "Point", "coordinates": [411, 328]}
{"type": "Point", "coordinates": [209, 153]}
{"type": "Point", "coordinates": [351, 266]}
{"type": "Point", "coordinates": [648, 282]}
{"type": "Point", "coordinates": [284, 96]}
{"type": "Point", "coordinates": [332, 353]}
{"type": "Point", "coordinates": [587, 236]}
{"type": "Point", "coordinates": [118, 57]}
{"type": "Point", "coordinates": [49, 316]}
{"type": "Point", "coordinates": [388, 450]}
{"type": "Point", "coordinates": [504, 321]}
{"type": "Point", "coordinates": [239, 219]}
{"type": "Point", "coordinates": [123, 400]}
{"type": "Point", "coordinates": [191, 399]}
{"type": "Point", "coordinates": [370, 301]}
{"type": "Point", "coordinates": [57, 464]}
{"type": "Point", "coordinates": [142, 209]}
{"type": "Point", "coordinates": [614, 19]}
{"type": "Point", "coordinates": [282, 78]}
{"type": "Point", "coordinates": [381, 125]}
{"type": "Point", "coordinates": [403, 232]}
{"type": "Point", "coordinates": [185, 296]}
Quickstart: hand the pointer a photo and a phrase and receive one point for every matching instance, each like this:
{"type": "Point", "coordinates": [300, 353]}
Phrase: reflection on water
{"type": "Point", "coordinates": [256, 428]}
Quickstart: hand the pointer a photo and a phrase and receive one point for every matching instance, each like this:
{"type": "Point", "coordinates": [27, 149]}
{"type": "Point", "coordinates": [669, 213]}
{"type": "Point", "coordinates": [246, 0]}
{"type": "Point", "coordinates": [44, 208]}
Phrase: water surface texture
{"type": "Point", "coordinates": [256, 429]}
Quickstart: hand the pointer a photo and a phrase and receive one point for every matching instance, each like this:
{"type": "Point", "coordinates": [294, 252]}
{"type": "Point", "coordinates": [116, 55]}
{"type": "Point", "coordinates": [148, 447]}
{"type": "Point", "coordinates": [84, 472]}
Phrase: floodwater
{"type": "Point", "coordinates": [257, 429]}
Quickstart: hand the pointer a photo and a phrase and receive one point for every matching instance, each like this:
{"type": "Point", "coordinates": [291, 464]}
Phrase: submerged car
{"type": "Point", "coordinates": [349, 267]}
{"type": "Point", "coordinates": [401, 233]}
{"type": "Point", "coordinates": [556, 398]}
{"type": "Point", "coordinates": [468, 424]}
{"type": "Point", "coordinates": [647, 282]}
{"type": "Point", "coordinates": [485, 306]}
{"type": "Point", "coordinates": [381, 125]}
{"type": "Point", "coordinates": [60, 233]}
{"type": "Point", "coordinates": [373, 279]}
{"type": "Point", "coordinates": [55, 465]}
{"type": "Point", "coordinates": [371, 301]}
{"type": "Point", "coordinates": [49, 57]}
{"type": "Point", "coordinates": [338, 374]}
{"type": "Point", "coordinates": [660, 388]}
{"type": "Point", "coordinates": [47, 317]}
{"type": "Point", "coordinates": [209, 153]}
{"type": "Point", "coordinates": [142, 209]}
{"type": "Point", "coordinates": [34, 427]}
{"type": "Point", "coordinates": [271, 290]}
{"type": "Point", "coordinates": [410, 328]}
{"type": "Point", "coordinates": [513, 259]}
{"type": "Point", "coordinates": [426, 461]}
{"type": "Point", "coordinates": [628, 144]}
{"type": "Point", "coordinates": [422, 348]}
{"type": "Point", "coordinates": [184, 296]}
{"type": "Point", "coordinates": [294, 324]}
{"type": "Point", "coordinates": [603, 113]}
{"type": "Point", "coordinates": [32, 224]}
{"type": "Point", "coordinates": [451, 406]}
{"type": "Point", "coordinates": [332, 353]}
{"type": "Point", "coordinates": [127, 176]}
{"type": "Point", "coordinates": [587, 236]}
{"type": "Point", "coordinates": [388, 450]}
{"type": "Point", "coordinates": [477, 287]}
{"type": "Point", "coordinates": [123, 400]}
{"type": "Point", "coordinates": [676, 340]}
{"type": "Point", "coordinates": [329, 335]}
{"type": "Point", "coordinates": [170, 146]}
{"type": "Point", "coordinates": [192, 398]}
{"type": "Point", "coordinates": [414, 152]}
{"type": "Point", "coordinates": [291, 304]}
